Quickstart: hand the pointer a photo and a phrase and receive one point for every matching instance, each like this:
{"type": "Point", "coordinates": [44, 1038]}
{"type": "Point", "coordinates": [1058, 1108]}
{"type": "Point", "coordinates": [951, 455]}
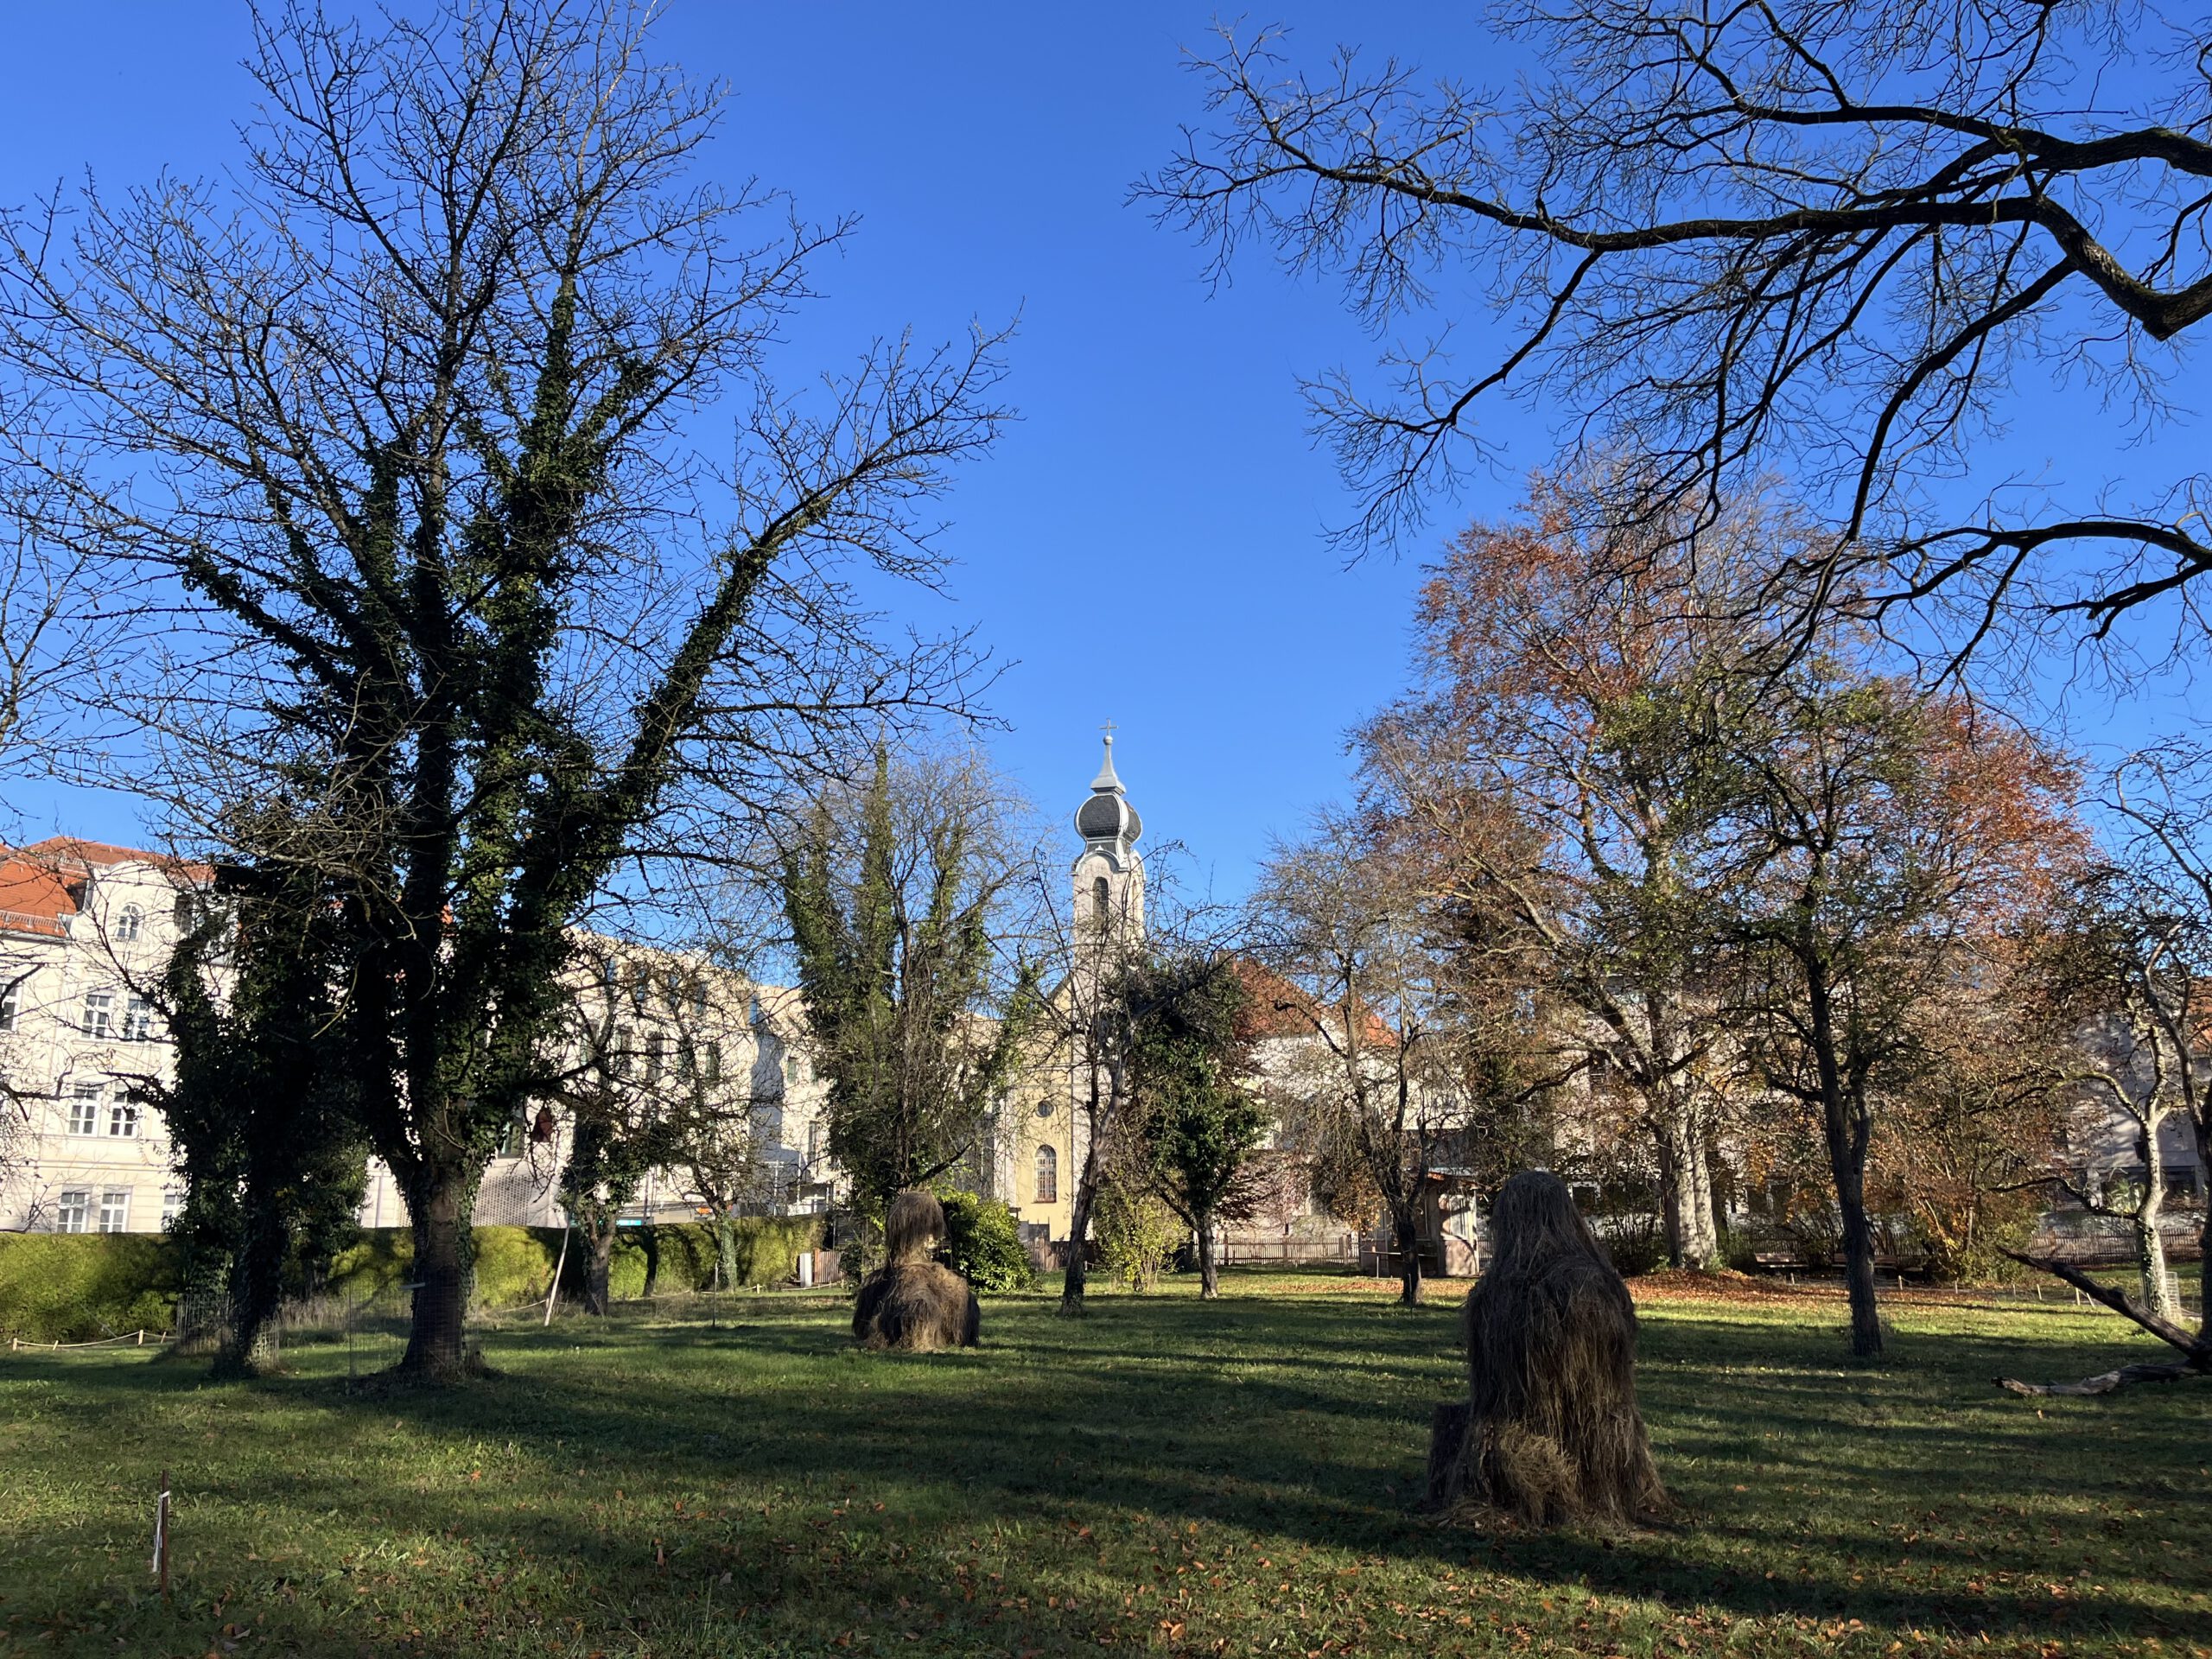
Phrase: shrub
{"type": "Point", "coordinates": [983, 1244]}
{"type": "Point", "coordinates": [1637, 1242]}
{"type": "Point", "coordinates": [1137, 1234]}
{"type": "Point", "coordinates": [81, 1286]}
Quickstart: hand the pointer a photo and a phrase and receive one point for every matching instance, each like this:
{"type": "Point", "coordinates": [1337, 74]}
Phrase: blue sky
{"type": "Point", "coordinates": [1146, 546]}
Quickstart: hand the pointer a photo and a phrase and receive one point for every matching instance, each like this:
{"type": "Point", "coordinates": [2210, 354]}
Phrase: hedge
{"type": "Point", "coordinates": [80, 1286]}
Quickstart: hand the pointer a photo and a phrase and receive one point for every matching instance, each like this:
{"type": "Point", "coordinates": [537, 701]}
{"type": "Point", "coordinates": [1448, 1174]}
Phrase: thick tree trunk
{"type": "Point", "coordinates": [1406, 1230]}
{"type": "Point", "coordinates": [439, 1203]}
{"type": "Point", "coordinates": [599, 1264]}
{"type": "Point", "coordinates": [649, 1238]}
{"type": "Point", "coordinates": [1685, 1190]}
{"type": "Point", "coordinates": [1208, 1264]}
{"type": "Point", "coordinates": [251, 1346]}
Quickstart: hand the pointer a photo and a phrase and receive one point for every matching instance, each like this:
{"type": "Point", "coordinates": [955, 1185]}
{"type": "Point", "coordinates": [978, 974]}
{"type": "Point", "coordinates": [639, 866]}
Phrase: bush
{"type": "Point", "coordinates": [1637, 1242]}
{"type": "Point", "coordinates": [983, 1244]}
{"type": "Point", "coordinates": [81, 1286]}
{"type": "Point", "coordinates": [1137, 1235]}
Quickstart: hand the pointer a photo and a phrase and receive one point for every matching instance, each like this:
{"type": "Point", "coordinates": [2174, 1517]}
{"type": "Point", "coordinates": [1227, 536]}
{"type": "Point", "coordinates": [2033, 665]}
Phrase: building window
{"type": "Point", "coordinates": [687, 1060]}
{"type": "Point", "coordinates": [172, 1206]}
{"type": "Point", "coordinates": [130, 923]}
{"type": "Point", "coordinates": [814, 1141]}
{"type": "Point", "coordinates": [1048, 1175]}
{"type": "Point", "coordinates": [699, 995]}
{"type": "Point", "coordinates": [99, 1014]}
{"type": "Point", "coordinates": [712, 1057]}
{"type": "Point", "coordinates": [137, 1018]}
{"type": "Point", "coordinates": [115, 1210]}
{"type": "Point", "coordinates": [1102, 901]}
{"type": "Point", "coordinates": [11, 1002]}
{"type": "Point", "coordinates": [73, 1214]}
{"type": "Point", "coordinates": [618, 1053]}
{"type": "Point", "coordinates": [85, 1110]}
{"type": "Point", "coordinates": [123, 1118]}
{"type": "Point", "coordinates": [656, 1053]}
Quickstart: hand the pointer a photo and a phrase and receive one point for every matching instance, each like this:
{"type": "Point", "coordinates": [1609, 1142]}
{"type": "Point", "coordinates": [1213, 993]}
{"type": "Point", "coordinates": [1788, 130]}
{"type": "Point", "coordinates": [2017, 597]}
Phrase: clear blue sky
{"type": "Point", "coordinates": [1146, 545]}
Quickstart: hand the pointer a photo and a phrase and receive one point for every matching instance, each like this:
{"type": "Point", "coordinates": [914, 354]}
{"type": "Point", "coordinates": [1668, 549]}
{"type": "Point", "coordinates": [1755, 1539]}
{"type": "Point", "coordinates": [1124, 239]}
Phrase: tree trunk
{"type": "Point", "coordinates": [1685, 1190]}
{"type": "Point", "coordinates": [440, 1202]}
{"type": "Point", "coordinates": [1406, 1231]}
{"type": "Point", "coordinates": [1072, 1278]}
{"type": "Point", "coordinates": [726, 1249]}
{"type": "Point", "coordinates": [599, 1264]}
{"type": "Point", "coordinates": [1209, 1265]}
{"type": "Point", "coordinates": [649, 1239]}
{"type": "Point", "coordinates": [2204, 1261]}
{"type": "Point", "coordinates": [1847, 1165]}
{"type": "Point", "coordinates": [2159, 1295]}
{"type": "Point", "coordinates": [249, 1347]}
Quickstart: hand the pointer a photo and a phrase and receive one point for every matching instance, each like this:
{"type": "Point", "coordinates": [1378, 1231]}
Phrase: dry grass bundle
{"type": "Point", "coordinates": [1550, 1433]}
{"type": "Point", "coordinates": [912, 1225]}
{"type": "Point", "coordinates": [912, 1303]}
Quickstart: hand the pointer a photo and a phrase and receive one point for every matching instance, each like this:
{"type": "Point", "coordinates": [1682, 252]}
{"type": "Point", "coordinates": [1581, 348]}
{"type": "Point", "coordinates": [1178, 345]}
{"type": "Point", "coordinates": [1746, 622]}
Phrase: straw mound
{"type": "Point", "coordinates": [912, 1303]}
{"type": "Point", "coordinates": [1550, 1434]}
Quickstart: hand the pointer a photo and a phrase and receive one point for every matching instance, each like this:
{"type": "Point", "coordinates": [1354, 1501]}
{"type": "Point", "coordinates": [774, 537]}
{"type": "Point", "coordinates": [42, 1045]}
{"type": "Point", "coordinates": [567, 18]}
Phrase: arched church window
{"type": "Point", "coordinates": [1102, 900]}
{"type": "Point", "coordinates": [1048, 1175]}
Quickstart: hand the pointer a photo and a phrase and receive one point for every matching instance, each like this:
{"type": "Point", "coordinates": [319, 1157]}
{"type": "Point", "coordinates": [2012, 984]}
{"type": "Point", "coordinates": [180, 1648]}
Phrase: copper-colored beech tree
{"type": "Point", "coordinates": [1558, 770]}
{"type": "Point", "coordinates": [1881, 840]}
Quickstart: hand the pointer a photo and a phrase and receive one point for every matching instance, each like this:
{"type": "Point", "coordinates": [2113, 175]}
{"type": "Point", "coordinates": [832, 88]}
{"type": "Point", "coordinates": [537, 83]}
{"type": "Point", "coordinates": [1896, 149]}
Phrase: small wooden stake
{"type": "Point", "coordinates": [162, 1536]}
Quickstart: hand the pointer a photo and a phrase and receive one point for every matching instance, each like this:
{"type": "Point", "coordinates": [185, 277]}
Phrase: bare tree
{"type": "Point", "coordinates": [1345, 930]}
{"type": "Point", "coordinates": [393, 421]}
{"type": "Point", "coordinates": [2163, 798]}
{"type": "Point", "coordinates": [1819, 232]}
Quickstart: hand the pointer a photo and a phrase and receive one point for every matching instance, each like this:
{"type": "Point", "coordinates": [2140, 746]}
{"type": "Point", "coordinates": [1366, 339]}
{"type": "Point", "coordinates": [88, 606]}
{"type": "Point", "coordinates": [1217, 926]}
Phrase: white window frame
{"type": "Point", "coordinates": [11, 999]}
{"type": "Point", "coordinates": [125, 1118]}
{"type": "Point", "coordinates": [137, 1018]}
{"type": "Point", "coordinates": [84, 1107]}
{"type": "Point", "coordinates": [130, 923]}
{"type": "Point", "coordinates": [72, 1210]}
{"type": "Point", "coordinates": [99, 1015]}
{"type": "Point", "coordinates": [115, 1211]}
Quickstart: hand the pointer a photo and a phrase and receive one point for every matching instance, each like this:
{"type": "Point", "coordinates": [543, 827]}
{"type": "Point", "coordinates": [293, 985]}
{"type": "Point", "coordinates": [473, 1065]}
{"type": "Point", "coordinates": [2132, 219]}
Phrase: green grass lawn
{"type": "Point", "coordinates": [1163, 1473]}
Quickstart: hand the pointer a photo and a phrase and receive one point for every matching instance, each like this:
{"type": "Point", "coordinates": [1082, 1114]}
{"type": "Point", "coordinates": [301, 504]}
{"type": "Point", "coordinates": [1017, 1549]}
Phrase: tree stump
{"type": "Point", "coordinates": [912, 1303]}
{"type": "Point", "coordinates": [1550, 1434]}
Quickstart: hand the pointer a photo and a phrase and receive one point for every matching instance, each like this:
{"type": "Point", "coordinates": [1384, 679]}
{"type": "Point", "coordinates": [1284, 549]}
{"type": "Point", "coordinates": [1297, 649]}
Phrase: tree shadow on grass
{"type": "Point", "coordinates": [1298, 1427]}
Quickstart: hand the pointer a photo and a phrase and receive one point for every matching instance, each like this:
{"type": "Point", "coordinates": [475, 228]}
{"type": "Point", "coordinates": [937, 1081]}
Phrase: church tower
{"type": "Point", "coordinates": [1109, 873]}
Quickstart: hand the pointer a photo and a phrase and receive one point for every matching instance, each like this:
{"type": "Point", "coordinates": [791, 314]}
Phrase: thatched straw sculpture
{"type": "Point", "coordinates": [911, 1302]}
{"type": "Point", "coordinates": [1550, 1434]}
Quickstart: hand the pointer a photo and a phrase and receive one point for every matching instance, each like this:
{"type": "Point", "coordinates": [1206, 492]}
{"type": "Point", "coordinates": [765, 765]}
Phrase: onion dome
{"type": "Point", "coordinates": [1107, 820]}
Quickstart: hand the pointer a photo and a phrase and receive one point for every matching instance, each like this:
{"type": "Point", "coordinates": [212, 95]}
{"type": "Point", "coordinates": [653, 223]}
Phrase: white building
{"type": "Point", "coordinates": [86, 931]}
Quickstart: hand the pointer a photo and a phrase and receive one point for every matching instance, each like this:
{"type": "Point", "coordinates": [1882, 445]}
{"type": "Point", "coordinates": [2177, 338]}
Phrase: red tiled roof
{"type": "Point", "coordinates": [40, 883]}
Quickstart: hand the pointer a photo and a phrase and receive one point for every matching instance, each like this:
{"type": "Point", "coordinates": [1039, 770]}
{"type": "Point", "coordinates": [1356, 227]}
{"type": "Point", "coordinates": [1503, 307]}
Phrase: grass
{"type": "Point", "coordinates": [1162, 1474]}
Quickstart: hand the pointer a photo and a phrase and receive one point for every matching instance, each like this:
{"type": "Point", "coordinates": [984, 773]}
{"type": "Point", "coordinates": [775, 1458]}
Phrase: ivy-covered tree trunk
{"type": "Point", "coordinates": [441, 1201]}
{"type": "Point", "coordinates": [412, 507]}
